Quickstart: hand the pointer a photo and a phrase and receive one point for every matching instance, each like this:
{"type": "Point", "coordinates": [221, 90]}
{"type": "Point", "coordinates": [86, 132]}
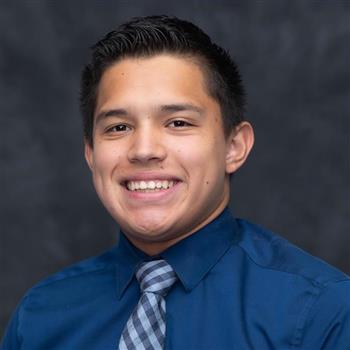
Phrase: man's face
{"type": "Point", "coordinates": [159, 159]}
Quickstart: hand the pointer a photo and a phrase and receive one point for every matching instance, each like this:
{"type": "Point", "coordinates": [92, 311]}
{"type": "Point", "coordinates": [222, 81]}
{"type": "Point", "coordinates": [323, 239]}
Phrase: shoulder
{"type": "Point", "coordinates": [269, 251]}
{"type": "Point", "coordinates": [316, 294]}
{"type": "Point", "coordinates": [65, 290]}
{"type": "Point", "coordinates": [88, 266]}
{"type": "Point", "coordinates": [73, 282]}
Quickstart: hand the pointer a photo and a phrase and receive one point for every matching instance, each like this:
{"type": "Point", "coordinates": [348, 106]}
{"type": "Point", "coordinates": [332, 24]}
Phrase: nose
{"type": "Point", "coordinates": [146, 146]}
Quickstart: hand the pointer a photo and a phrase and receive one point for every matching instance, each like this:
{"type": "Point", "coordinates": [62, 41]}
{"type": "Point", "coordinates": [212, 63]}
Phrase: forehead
{"type": "Point", "coordinates": [162, 76]}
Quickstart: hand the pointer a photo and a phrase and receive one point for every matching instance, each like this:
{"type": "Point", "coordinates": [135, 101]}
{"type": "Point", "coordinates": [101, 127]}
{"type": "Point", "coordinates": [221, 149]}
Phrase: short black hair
{"type": "Point", "coordinates": [154, 35]}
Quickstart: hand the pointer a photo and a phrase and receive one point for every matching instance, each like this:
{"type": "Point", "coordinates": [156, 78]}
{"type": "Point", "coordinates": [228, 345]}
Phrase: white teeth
{"type": "Point", "coordinates": [149, 185]}
{"type": "Point", "coordinates": [159, 184]}
{"type": "Point", "coordinates": [152, 185]}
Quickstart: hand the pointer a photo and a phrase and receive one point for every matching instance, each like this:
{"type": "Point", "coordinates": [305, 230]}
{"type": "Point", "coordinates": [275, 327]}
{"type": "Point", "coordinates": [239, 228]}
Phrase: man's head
{"type": "Point", "coordinates": [156, 139]}
{"type": "Point", "coordinates": [154, 35]}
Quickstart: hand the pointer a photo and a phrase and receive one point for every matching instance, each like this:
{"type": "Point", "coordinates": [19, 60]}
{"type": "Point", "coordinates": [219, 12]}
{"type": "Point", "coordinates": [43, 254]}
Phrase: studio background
{"type": "Point", "coordinates": [294, 58]}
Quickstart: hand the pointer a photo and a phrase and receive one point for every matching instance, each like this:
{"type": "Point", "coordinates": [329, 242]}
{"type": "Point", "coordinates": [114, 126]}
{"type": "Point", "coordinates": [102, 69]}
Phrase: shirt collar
{"type": "Point", "coordinates": [128, 259]}
{"type": "Point", "coordinates": [191, 258]}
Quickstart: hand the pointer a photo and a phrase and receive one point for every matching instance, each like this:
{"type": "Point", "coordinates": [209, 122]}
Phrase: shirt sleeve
{"type": "Point", "coordinates": [328, 323]}
{"type": "Point", "coordinates": [10, 340]}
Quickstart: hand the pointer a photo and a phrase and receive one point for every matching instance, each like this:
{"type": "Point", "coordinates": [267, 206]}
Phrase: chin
{"type": "Point", "coordinates": [151, 230]}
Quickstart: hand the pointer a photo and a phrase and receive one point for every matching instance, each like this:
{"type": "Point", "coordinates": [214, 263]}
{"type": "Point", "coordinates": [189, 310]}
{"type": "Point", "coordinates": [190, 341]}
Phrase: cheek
{"type": "Point", "coordinates": [204, 157]}
{"type": "Point", "coordinates": [191, 156]}
{"type": "Point", "coordinates": [105, 161]}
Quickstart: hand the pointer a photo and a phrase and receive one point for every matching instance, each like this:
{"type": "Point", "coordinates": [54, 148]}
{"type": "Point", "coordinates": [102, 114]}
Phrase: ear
{"type": "Point", "coordinates": [239, 144]}
{"type": "Point", "coordinates": [89, 155]}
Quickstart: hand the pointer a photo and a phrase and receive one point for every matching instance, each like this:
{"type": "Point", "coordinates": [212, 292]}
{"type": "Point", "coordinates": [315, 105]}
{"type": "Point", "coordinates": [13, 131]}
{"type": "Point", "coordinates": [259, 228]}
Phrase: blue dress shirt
{"type": "Point", "coordinates": [240, 287]}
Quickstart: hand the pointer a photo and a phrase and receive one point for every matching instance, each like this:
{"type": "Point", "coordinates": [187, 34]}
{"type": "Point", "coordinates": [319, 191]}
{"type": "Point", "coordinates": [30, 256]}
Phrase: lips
{"type": "Point", "coordinates": [150, 187]}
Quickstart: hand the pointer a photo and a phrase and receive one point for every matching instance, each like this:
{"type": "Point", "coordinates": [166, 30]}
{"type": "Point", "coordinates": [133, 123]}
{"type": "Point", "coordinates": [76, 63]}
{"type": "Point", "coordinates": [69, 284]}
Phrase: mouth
{"type": "Point", "coordinates": [150, 186]}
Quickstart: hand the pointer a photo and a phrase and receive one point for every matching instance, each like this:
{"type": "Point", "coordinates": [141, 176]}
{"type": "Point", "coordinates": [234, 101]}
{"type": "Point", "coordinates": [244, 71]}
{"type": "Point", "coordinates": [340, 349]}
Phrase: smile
{"type": "Point", "coordinates": [149, 186]}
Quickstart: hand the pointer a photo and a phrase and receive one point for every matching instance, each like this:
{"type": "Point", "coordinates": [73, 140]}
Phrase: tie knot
{"type": "Point", "coordinates": [156, 276]}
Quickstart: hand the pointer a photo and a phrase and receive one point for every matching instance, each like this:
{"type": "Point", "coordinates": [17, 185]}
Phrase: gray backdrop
{"type": "Point", "coordinates": [294, 58]}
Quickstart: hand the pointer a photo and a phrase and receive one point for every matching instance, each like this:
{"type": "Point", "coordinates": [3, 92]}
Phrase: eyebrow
{"type": "Point", "coordinates": [119, 112]}
{"type": "Point", "coordinates": [170, 108]}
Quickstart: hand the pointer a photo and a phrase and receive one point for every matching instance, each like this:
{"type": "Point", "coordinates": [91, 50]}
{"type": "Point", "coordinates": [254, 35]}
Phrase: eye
{"type": "Point", "coordinates": [179, 124]}
{"type": "Point", "coordinates": [118, 128]}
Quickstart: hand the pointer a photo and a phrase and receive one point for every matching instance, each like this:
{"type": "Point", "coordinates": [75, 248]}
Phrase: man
{"type": "Point", "coordinates": [164, 131]}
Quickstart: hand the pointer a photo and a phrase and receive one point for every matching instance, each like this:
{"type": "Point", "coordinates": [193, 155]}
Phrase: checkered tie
{"type": "Point", "coordinates": [145, 328]}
